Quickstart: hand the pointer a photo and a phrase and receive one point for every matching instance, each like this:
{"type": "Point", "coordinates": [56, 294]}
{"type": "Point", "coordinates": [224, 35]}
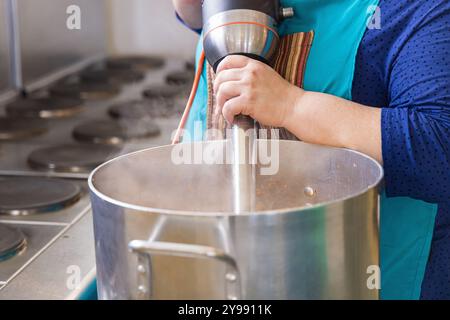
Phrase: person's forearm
{"type": "Point", "coordinates": [190, 11]}
{"type": "Point", "coordinates": [328, 120]}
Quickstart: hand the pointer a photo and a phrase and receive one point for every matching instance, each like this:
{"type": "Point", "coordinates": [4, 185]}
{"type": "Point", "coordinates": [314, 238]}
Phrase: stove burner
{"type": "Point", "coordinates": [113, 76]}
{"type": "Point", "coordinates": [74, 158]}
{"type": "Point", "coordinates": [25, 196]}
{"type": "Point", "coordinates": [130, 110]}
{"type": "Point", "coordinates": [134, 62]}
{"type": "Point", "coordinates": [14, 128]}
{"type": "Point", "coordinates": [12, 242]}
{"type": "Point", "coordinates": [114, 132]}
{"type": "Point", "coordinates": [85, 91]}
{"type": "Point", "coordinates": [147, 109]}
{"type": "Point", "coordinates": [45, 107]}
{"type": "Point", "coordinates": [180, 78]}
{"type": "Point", "coordinates": [161, 91]}
{"type": "Point", "coordinates": [190, 66]}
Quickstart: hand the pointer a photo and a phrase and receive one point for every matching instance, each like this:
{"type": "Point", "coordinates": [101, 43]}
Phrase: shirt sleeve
{"type": "Point", "coordinates": [416, 124]}
{"type": "Point", "coordinates": [199, 31]}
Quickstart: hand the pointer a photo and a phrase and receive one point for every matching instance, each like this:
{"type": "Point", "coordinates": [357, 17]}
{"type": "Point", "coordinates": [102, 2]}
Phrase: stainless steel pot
{"type": "Point", "coordinates": [167, 231]}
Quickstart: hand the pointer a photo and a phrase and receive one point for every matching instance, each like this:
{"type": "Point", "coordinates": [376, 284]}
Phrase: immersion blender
{"type": "Point", "coordinates": [249, 28]}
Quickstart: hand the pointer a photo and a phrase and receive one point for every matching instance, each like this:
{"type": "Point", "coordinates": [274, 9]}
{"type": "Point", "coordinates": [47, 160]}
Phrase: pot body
{"type": "Point", "coordinates": [166, 231]}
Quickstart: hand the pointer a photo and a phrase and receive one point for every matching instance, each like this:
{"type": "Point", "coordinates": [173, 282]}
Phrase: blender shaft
{"type": "Point", "coordinates": [244, 165]}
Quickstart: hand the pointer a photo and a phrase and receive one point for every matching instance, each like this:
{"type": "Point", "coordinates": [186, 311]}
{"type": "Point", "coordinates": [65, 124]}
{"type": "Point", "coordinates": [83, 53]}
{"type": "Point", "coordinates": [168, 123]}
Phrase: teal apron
{"type": "Point", "coordinates": [406, 225]}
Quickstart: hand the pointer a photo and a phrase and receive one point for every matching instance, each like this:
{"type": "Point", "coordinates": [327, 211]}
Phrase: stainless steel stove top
{"type": "Point", "coordinates": [21, 275]}
{"type": "Point", "coordinates": [59, 259]}
{"type": "Point", "coordinates": [14, 154]}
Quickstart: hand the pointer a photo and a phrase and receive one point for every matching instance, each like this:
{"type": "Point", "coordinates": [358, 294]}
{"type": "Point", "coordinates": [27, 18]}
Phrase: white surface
{"type": "Point", "coordinates": [148, 26]}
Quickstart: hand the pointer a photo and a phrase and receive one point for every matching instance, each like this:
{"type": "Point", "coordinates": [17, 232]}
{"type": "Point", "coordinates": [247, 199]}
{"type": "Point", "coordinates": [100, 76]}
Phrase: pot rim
{"type": "Point", "coordinates": [172, 212]}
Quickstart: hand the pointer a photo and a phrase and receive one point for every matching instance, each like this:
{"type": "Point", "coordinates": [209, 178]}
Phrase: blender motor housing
{"type": "Point", "coordinates": [245, 27]}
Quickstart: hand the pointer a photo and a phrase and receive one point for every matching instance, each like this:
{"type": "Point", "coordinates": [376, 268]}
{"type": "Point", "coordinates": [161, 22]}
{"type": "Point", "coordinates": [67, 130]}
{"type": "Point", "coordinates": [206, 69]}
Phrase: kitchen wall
{"type": "Point", "coordinates": [117, 26]}
{"type": "Point", "coordinates": [5, 80]}
{"type": "Point", "coordinates": [47, 45]}
{"type": "Point", "coordinates": [148, 26]}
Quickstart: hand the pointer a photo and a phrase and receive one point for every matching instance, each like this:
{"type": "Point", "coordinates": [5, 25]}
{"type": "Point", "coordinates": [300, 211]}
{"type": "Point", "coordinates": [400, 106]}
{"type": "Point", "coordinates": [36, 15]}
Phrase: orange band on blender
{"type": "Point", "coordinates": [243, 22]}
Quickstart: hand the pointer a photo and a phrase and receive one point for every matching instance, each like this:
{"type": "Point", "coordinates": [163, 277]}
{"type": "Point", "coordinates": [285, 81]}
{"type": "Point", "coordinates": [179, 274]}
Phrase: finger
{"type": "Point", "coordinates": [232, 108]}
{"type": "Point", "coordinates": [227, 91]}
{"type": "Point", "coordinates": [227, 75]}
{"type": "Point", "coordinates": [233, 62]}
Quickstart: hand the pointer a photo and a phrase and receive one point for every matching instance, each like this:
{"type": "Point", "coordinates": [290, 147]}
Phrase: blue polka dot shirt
{"type": "Point", "coordinates": [404, 68]}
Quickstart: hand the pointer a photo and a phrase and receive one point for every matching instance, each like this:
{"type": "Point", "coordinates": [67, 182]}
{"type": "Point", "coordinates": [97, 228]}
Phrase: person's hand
{"type": "Point", "coordinates": [247, 86]}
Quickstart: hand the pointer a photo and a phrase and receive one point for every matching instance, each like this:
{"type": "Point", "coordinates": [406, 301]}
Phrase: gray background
{"type": "Point", "coordinates": [46, 43]}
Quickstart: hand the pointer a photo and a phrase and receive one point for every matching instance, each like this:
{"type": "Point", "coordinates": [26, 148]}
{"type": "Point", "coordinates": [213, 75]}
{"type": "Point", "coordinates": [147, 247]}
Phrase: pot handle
{"type": "Point", "coordinates": [145, 248]}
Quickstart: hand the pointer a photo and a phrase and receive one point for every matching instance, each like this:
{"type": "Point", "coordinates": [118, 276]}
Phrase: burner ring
{"type": "Point", "coordinates": [130, 110]}
{"type": "Point", "coordinates": [190, 66]}
{"type": "Point", "coordinates": [115, 76]}
{"type": "Point", "coordinates": [12, 242]}
{"type": "Point", "coordinates": [134, 62]}
{"type": "Point", "coordinates": [49, 107]}
{"type": "Point", "coordinates": [85, 91]}
{"type": "Point", "coordinates": [74, 158]}
{"type": "Point", "coordinates": [162, 91]}
{"type": "Point", "coordinates": [114, 132]}
{"type": "Point", "coordinates": [16, 128]}
{"type": "Point", "coordinates": [153, 108]}
{"type": "Point", "coordinates": [180, 78]}
{"type": "Point", "coordinates": [21, 196]}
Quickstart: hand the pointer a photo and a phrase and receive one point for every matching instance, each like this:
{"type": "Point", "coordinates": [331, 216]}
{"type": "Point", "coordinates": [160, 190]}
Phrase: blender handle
{"type": "Point", "coordinates": [145, 248]}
